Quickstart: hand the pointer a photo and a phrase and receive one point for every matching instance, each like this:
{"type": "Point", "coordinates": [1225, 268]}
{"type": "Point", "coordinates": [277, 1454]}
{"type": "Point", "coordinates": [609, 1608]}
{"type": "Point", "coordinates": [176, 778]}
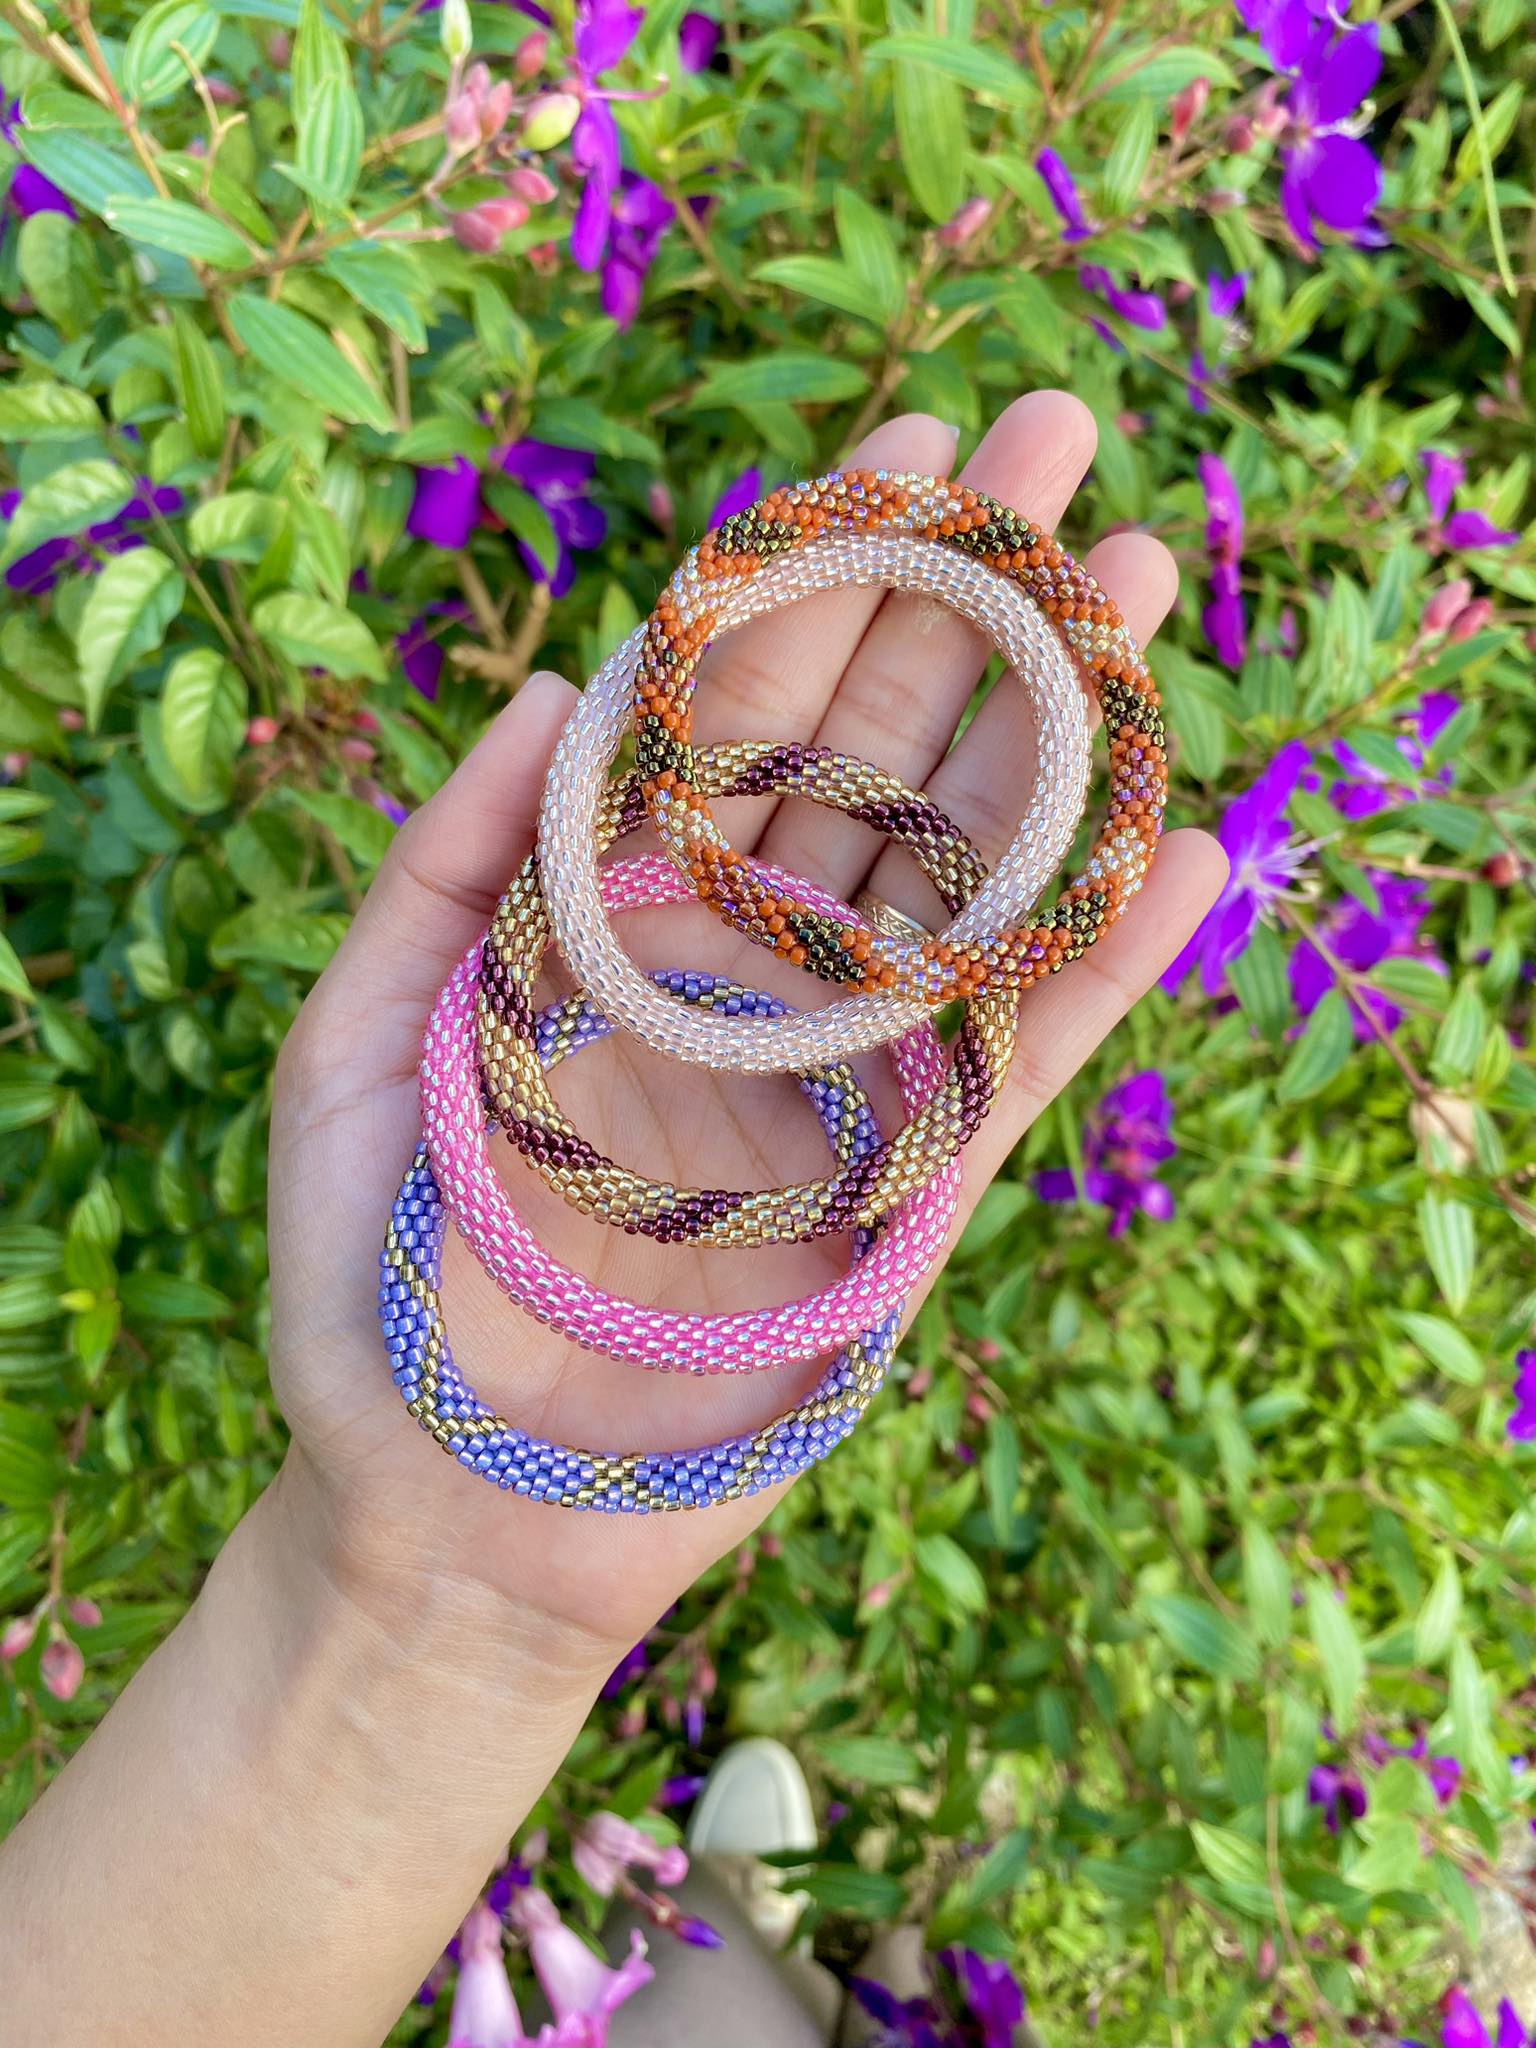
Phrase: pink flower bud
{"type": "Point", "coordinates": [261, 731]}
{"type": "Point", "coordinates": [771, 1545]}
{"type": "Point", "coordinates": [1443, 606]}
{"type": "Point", "coordinates": [528, 57]}
{"type": "Point", "coordinates": [280, 48]}
{"type": "Point", "coordinates": [1131, 423]}
{"type": "Point", "coordinates": [364, 721]}
{"type": "Point", "coordinates": [481, 228]}
{"type": "Point", "coordinates": [532, 184]}
{"type": "Point", "coordinates": [1180, 292]}
{"type": "Point", "coordinates": [1471, 619]}
{"type": "Point", "coordinates": [659, 503]}
{"type": "Point", "coordinates": [15, 765]}
{"type": "Point", "coordinates": [354, 750]}
{"type": "Point", "coordinates": [978, 1407]}
{"type": "Point", "coordinates": [550, 120]}
{"type": "Point", "coordinates": [1271, 116]}
{"type": "Point", "coordinates": [920, 1382]}
{"type": "Point", "coordinates": [879, 1595]}
{"type": "Point", "coordinates": [222, 93]}
{"type": "Point", "coordinates": [461, 122]}
{"type": "Point", "coordinates": [63, 1667]}
{"type": "Point", "coordinates": [1237, 136]}
{"type": "Point", "coordinates": [1503, 870]}
{"type": "Point", "coordinates": [545, 259]}
{"type": "Point", "coordinates": [631, 1723]}
{"type": "Point", "coordinates": [1188, 106]}
{"type": "Point", "coordinates": [989, 1351]}
{"type": "Point", "coordinates": [70, 719]}
{"type": "Point", "coordinates": [83, 1613]}
{"type": "Point", "coordinates": [495, 108]}
{"type": "Point", "coordinates": [966, 222]}
{"type": "Point", "coordinates": [535, 1848]}
{"type": "Point", "coordinates": [18, 1638]}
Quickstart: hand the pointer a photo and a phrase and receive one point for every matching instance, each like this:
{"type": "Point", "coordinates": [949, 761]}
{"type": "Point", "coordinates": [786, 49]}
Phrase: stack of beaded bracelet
{"type": "Point", "coordinates": [489, 1050]}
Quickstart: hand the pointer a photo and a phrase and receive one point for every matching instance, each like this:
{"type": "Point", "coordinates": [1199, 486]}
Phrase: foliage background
{"type": "Point", "coordinates": [1179, 1515]}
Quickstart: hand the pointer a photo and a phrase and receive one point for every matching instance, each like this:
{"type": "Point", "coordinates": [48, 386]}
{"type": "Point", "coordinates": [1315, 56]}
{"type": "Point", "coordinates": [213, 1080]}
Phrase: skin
{"type": "Point", "coordinates": [278, 1826]}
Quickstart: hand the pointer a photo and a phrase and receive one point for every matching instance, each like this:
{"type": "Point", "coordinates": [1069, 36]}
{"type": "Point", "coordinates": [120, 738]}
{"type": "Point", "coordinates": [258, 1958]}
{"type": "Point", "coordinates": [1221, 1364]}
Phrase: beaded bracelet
{"type": "Point", "coordinates": [979, 530]}
{"type": "Point", "coordinates": [635, 1482]}
{"type": "Point", "coordinates": [865, 1187]}
{"type": "Point", "coordinates": [597, 728]}
{"type": "Point", "coordinates": [454, 1130]}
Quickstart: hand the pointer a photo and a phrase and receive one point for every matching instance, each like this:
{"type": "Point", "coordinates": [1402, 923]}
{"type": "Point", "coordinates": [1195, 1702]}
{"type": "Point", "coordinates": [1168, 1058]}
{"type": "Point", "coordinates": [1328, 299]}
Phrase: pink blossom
{"type": "Point", "coordinates": [63, 1667]}
{"type": "Point", "coordinates": [18, 1638]}
{"type": "Point", "coordinates": [579, 1985]}
{"type": "Point", "coordinates": [484, 2011]}
{"type": "Point", "coordinates": [607, 1845]}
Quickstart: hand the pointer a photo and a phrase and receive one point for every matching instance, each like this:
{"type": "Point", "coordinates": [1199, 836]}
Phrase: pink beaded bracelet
{"type": "Point", "coordinates": [454, 1129]}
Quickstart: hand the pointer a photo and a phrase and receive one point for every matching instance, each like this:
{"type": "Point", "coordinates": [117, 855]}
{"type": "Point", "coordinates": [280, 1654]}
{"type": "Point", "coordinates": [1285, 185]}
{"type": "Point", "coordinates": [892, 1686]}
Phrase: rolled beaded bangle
{"type": "Point", "coordinates": [597, 728]}
{"type": "Point", "coordinates": [453, 1128]}
{"type": "Point", "coordinates": [881, 503]}
{"type": "Point", "coordinates": [864, 1188]}
{"type": "Point", "coordinates": [634, 1482]}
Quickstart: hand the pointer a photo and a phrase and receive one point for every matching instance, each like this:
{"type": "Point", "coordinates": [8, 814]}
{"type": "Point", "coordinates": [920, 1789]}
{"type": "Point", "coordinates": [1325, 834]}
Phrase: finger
{"type": "Point", "coordinates": [978, 783]}
{"type": "Point", "coordinates": [437, 887]}
{"type": "Point", "coordinates": [774, 677]}
{"type": "Point", "coordinates": [1062, 1023]}
{"type": "Point", "coordinates": [916, 668]}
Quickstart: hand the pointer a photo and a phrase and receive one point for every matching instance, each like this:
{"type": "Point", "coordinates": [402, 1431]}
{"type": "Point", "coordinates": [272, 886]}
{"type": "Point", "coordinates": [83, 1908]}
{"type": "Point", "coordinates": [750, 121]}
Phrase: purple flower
{"type": "Point", "coordinates": [558, 478]}
{"type": "Point", "coordinates": [1223, 295]}
{"type": "Point", "coordinates": [579, 1985]}
{"type": "Point", "coordinates": [1339, 1793]}
{"type": "Point", "coordinates": [1062, 186]}
{"type": "Point", "coordinates": [640, 215]}
{"type": "Point", "coordinates": [1522, 1424]}
{"type": "Point", "coordinates": [1199, 377]}
{"type": "Point", "coordinates": [1365, 789]}
{"type": "Point", "coordinates": [1444, 1775]}
{"type": "Point", "coordinates": [1443, 477]}
{"type": "Point", "coordinates": [1359, 939]}
{"type": "Point", "coordinates": [1463, 2028]}
{"type": "Point", "coordinates": [484, 2011]}
{"type": "Point", "coordinates": [698, 38]}
{"type": "Point", "coordinates": [991, 1993]}
{"type": "Point", "coordinates": [1265, 862]}
{"type": "Point", "coordinates": [446, 507]}
{"type": "Point", "coordinates": [736, 497]}
{"type": "Point", "coordinates": [1224, 620]}
{"type": "Point", "coordinates": [1126, 1140]}
{"type": "Point", "coordinates": [42, 567]}
{"type": "Point", "coordinates": [30, 192]}
{"type": "Point", "coordinates": [1138, 308]}
{"type": "Point", "coordinates": [420, 649]}
{"type": "Point", "coordinates": [632, 1665]}
{"type": "Point", "coordinates": [1328, 174]}
{"type": "Point", "coordinates": [606, 1846]}
{"type": "Point", "coordinates": [604, 33]}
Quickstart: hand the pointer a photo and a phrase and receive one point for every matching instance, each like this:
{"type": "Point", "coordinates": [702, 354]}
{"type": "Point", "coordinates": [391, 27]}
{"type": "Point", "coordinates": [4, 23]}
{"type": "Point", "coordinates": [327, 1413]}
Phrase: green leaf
{"type": "Point", "coordinates": [279, 935]}
{"type": "Point", "coordinates": [172, 1298]}
{"type": "Point", "coordinates": [202, 719]}
{"type": "Point", "coordinates": [1234, 1860]}
{"type": "Point", "coordinates": [1266, 1585]}
{"type": "Point", "coordinates": [974, 65]}
{"type": "Point", "coordinates": [1201, 1635]}
{"type": "Point", "coordinates": [66, 501]}
{"type": "Point", "coordinates": [1442, 1342]}
{"type": "Point", "coordinates": [1460, 1037]}
{"type": "Point", "coordinates": [526, 518]}
{"type": "Point", "coordinates": [88, 171]}
{"type": "Point", "coordinates": [362, 831]}
{"type": "Point", "coordinates": [1126, 165]}
{"type": "Point", "coordinates": [200, 383]}
{"type": "Point", "coordinates": [1261, 982]}
{"type": "Point", "coordinates": [930, 132]}
{"type": "Point", "coordinates": [1321, 1053]}
{"type": "Point", "coordinates": [871, 1759]}
{"type": "Point", "coordinates": [1159, 76]}
{"type": "Point", "coordinates": [319, 54]}
{"type": "Point", "coordinates": [1000, 1475]}
{"type": "Point", "coordinates": [297, 352]}
{"type": "Point", "coordinates": [314, 634]}
{"type": "Point", "coordinates": [1339, 1651]}
{"type": "Point", "coordinates": [870, 250]}
{"type": "Point", "coordinates": [952, 1573]}
{"type": "Point", "coordinates": [185, 230]}
{"type": "Point", "coordinates": [385, 282]}
{"type": "Point", "coordinates": [43, 411]}
{"type": "Point", "coordinates": [1449, 1233]}
{"type": "Point", "coordinates": [1392, 1859]}
{"type": "Point", "coordinates": [125, 615]}
{"type": "Point", "coordinates": [424, 765]}
{"type": "Point", "coordinates": [825, 279]}
{"type": "Point", "coordinates": [331, 138]}
{"type": "Point", "coordinates": [844, 1888]}
{"type": "Point", "coordinates": [13, 976]}
{"type": "Point", "coordinates": [152, 68]}
{"type": "Point", "coordinates": [784, 374]}
{"type": "Point", "coordinates": [239, 527]}
{"type": "Point", "coordinates": [1434, 1630]}
{"type": "Point", "coordinates": [51, 257]}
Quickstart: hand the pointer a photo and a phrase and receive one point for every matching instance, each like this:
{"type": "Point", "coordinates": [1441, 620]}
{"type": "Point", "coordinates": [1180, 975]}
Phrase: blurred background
{"type": "Point", "coordinates": [1166, 1631]}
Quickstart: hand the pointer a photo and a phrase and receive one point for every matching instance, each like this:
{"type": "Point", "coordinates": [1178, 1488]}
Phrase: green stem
{"type": "Point", "coordinates": [1485, 158]}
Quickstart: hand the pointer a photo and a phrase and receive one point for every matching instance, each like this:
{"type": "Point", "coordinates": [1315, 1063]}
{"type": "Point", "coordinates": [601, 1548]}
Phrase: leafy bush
{"type": "Point", "coordinates": [343, 380]}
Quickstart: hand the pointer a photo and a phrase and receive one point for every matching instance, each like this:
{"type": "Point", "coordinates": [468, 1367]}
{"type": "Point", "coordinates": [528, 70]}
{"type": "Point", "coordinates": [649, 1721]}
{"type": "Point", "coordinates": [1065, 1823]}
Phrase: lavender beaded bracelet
{"type": "Point", "coordinates": [634, 1482]}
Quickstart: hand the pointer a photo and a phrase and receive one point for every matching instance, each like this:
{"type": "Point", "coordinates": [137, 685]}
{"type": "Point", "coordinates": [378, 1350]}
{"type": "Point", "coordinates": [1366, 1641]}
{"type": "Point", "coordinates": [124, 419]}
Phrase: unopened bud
{"type": "Point", "coordinates": [481, 228]}
{"type": "Point", "coordinates": [528, 57]}
{"type": "Point", "coordinates": [83, 1613]}
{"type": "Point", "coordinates": [659, 503]}
{"type": "Point", "coordinates": [1444, 605]}
{"type": "Point", "coordinates": [631, 1723]}
{"type": "Point", "coordinates": [354, 750]}
{"type": "Point", "coordinates": [261, 731]}
{"type": "Point", "coordinates": [879, 1595]}
{"type": "Point", "coordinates": [221, 92]}
{"type": "Point", "coordinates": [280, 48]}
{"type": "Point", "coordinates": [1503, 870]}
{"type": "Point", "coordinates": [1188, 106]}
{"type": "Point", "coordinates": [461, 122]}
{"type": "Point", "coordinates": [550, 120]}
{"type": "Point", "coordinates": [544, 259]}
{"type": "Point", "coordinates": [71, 720]}
{"type": "Point", "coordinates": [532, 184]}
{"type": "Point", "coordinates": [63, 1667]}
{"type": "Point", "coordinates": [454, 30]}
{"type": "Point", "coordinates": [18, 1638]}
{"type": "Point", "coordinates": [494, 109]}
{"type": "Point", "coordinates": [364, 720]}
{"type": "Point", "coordinates": [965, 222]}
{"type": "Point", "coordinates": [978, 1407]}
{"type": "Point", "coordinates": [1271, 115]}
{"type": "Point", "coordinates": [1237, 136]}
{"type": "Point", "coordinates": [988, 1350]}
{"type": "Point", "coordinates": [1471, 619]}
{"type": "Point", "coordinates": [920, 1382]}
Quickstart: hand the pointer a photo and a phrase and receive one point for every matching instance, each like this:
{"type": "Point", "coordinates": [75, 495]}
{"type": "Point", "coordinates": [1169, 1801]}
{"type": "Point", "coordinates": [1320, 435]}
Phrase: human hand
{"type": "Point", "coordinates": [883, 676]}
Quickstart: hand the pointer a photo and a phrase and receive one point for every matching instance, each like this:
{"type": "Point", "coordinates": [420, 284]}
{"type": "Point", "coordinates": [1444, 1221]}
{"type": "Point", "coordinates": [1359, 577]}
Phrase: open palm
{"type": "Point", "coordinates": [883, 676]}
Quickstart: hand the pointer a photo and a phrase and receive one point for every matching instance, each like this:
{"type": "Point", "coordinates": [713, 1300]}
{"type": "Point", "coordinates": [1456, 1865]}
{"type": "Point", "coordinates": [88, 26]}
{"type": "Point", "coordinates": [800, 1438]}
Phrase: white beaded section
{"type": "Point", "coordinates": [596, 730]}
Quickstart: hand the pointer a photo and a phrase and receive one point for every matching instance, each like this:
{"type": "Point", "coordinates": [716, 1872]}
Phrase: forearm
{"type": "Point", "coordinates": [279, 1824]}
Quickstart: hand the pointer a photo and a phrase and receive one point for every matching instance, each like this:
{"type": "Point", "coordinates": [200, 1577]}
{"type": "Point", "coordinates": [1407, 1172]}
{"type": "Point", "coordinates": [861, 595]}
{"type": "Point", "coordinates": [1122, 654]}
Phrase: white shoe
{"type": "Point", "coordinates": [756, 1803]}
